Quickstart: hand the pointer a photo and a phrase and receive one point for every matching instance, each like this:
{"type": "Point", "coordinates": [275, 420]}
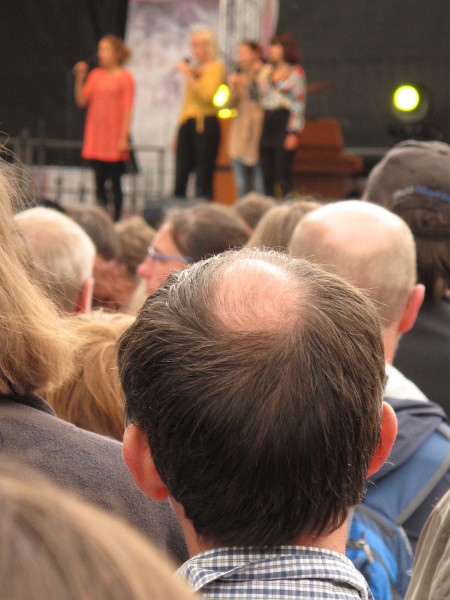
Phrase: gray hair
{"type": "Point", "coordinates": [62, 252]}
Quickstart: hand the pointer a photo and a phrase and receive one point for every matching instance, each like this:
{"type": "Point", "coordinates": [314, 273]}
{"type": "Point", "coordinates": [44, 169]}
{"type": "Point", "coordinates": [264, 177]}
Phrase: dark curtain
{"type": "Point", "coordinates": [366, 49]}
{"type": "Point", "coordinates": [40, 41]}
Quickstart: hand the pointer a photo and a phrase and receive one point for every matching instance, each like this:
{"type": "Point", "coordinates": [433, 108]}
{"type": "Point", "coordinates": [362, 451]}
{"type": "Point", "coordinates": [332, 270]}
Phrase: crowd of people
{"type": "Point", "coordinates": [244, 361]}
{"type": "Point", "coordinates": [205, 406]}
{"type": "Point", "coordinates": [269, 94]}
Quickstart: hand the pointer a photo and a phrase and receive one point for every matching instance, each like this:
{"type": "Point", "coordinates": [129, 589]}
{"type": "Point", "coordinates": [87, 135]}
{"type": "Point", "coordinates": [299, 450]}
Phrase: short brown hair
{"type": "Point", "coordinates": [135, 236]}
{"type": "Point", "coordinates": [261, 431]}
{"type": "Point", "coordinates": [205, 230]}
{"type": "Point", "coordinates": [429, 221]}
{"type": "Point", "coordinates": [275, 228]}
{"type": "Point", "coordinates": [253, 206]}
{"type": "Point", "coordinates": [98, 225]}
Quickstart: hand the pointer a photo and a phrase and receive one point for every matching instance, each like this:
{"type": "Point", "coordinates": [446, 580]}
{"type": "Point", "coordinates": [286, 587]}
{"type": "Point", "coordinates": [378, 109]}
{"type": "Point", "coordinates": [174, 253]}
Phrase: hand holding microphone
{"type": "Point", "coordinates": [184, 66]}
{"type": "Point", "coordinates": [80, 70]}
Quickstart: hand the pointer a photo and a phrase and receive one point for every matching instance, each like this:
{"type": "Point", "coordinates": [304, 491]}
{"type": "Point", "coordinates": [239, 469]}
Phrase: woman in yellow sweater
{"type": "Point", "coordinates": [198, 136]}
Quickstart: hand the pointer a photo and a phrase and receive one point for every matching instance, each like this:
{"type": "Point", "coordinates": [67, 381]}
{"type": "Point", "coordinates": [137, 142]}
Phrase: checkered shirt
{"type": "Point", "coordinates": [285, 572]}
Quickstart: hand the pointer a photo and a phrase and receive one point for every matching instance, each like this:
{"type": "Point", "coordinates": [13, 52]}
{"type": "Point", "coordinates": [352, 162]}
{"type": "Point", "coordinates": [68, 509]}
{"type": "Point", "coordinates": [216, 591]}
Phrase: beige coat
{"type": "Point", "coordinates": [245, 128]}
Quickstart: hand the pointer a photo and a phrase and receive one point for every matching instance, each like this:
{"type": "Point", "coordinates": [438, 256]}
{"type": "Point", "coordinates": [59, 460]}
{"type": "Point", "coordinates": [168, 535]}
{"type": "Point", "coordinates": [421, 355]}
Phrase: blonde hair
{"type": "Point", "coordinates": [54, 545]}
{"type": "Point", "coordinates": [209, 39]}
{"type": "Point", "coordinates": [92, 397]}
{"type": "Point", "coordinates": [62, 251]}
{"type": "Point", "coordinates": [36, 343]}
{"type": "Point", "coordinates": [275, 228]}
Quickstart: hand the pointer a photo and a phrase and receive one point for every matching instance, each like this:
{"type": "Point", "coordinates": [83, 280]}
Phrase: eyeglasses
{"type": "Point", "coordinates": [159, 256]}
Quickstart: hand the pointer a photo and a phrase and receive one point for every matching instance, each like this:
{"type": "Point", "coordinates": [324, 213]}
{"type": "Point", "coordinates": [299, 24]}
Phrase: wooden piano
{"type": "Point", "coordinates": [321, 165]}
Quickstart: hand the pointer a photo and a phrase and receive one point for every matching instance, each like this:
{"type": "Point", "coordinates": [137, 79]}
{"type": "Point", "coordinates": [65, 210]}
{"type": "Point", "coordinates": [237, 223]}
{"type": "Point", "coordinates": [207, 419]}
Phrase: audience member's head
{"type": "Point", "coordinates": [113, 286]}
{"type": "Point", "coordinates": [92, 397]}
{"type": "Point", "coordinates": [63, 255]}
{"type": "Point", "coordinates": [36, 348]}
{"type": "Point", "coordinates": [135, 237]}
{"type": "Point", "coordinates": [371, 248]}
{"type": "Point", "coordinates": [275, 228]}
{"type": "Point", "coordinates": [188, 236]}
{"type": "Point", "coordinates": [100, 228]}
{"type": "Point", "coordinates": [253, 386]}
{"type": "Point", "coordinates": [54, 545]}
{"type": "Point", "coordinates": [413, 181]}
{"type": "Point", "coordinates": [253, 206]}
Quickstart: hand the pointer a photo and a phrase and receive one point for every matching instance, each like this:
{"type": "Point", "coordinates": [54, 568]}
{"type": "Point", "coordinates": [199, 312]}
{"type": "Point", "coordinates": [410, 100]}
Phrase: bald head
{"type": "Point", "coordinates": [63, 255]}
{"type": "Point", "coordinates": [241, 298]}
{"type": "Point", "coordinates": [366, 245]}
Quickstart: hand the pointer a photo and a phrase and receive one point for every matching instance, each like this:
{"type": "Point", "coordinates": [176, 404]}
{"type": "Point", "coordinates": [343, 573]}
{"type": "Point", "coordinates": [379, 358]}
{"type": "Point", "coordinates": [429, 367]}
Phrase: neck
{"type": "Point", "coordinates": [335, 541]}
{"type": "Point", "coordinates": [112, 68]}
{"type": "Point", "coordinates": [390, 341]}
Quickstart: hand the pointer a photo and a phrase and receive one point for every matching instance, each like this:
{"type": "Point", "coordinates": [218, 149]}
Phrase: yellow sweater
{"type": "Point", "coordinates": [199, 94]}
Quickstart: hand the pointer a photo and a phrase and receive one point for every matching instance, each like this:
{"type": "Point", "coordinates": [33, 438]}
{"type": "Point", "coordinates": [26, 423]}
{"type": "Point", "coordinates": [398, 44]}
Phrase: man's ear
{"type": "Point", "coordinates": [412, 308]}
{"type": "Point", "coordinates": [84, 302]}
{"type": "Point", "coordinates": [388, 434]}
{"type": "Point", "coordinates": [138, 458]}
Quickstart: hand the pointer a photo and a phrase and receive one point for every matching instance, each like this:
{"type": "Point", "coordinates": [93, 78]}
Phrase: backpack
{"type": "Point", "coordinates": [381, 552]}
{"type": "Point", "coordinates": [377, 543]}
{"type": "Point", "coordinates": [400, 493]}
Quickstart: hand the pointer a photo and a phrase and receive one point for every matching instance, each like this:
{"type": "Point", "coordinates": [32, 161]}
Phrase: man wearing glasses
{"type": "Point", "coordinates": [189, 236]}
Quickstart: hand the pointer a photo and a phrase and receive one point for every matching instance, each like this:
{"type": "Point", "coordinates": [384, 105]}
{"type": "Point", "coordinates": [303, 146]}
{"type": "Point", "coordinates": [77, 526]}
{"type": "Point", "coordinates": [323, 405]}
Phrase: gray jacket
{"type": "Point", "coordinates": [87, 464]}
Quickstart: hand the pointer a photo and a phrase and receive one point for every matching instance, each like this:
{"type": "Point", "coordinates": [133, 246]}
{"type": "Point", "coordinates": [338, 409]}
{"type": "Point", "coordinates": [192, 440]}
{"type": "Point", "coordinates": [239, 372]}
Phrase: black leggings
{"type": "Point", "coordinates": [112, 172]}
{"type": "Point", "coordinates": [197, 152]}
{"type": "Point", "coordinates": [276, 162]}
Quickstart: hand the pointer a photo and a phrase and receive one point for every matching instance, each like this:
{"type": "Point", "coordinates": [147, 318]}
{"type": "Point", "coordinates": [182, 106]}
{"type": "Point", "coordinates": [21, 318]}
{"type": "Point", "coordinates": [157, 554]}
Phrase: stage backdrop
{"type": "Point", "coordinates": [363, 48]}
{"type": "Point", "coordinates": [159, 35]}
{"type": "Point", "coordinates": [366, 49]}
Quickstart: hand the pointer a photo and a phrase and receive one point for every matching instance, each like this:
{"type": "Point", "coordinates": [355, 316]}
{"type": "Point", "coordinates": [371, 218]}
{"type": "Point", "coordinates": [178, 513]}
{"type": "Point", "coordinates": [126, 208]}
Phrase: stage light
{"type": "Point", "coordinates": [226, 113]}
{"type": "Point", "coordinates": [411, 107]}
{"type": "Point", "coordinates": [221, 96]}
{"type": "Point", "coordinates": [406, 98]}
{"type": "Point", "coordinates": [410, 103]}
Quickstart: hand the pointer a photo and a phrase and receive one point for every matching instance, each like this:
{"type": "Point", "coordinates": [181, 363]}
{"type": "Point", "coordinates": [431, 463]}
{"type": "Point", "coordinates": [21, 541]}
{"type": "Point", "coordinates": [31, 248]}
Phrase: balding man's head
{"type": "Point", "coordinates": [257, 379]}
{"type": "Point", "coordinates": [63, 255]}
{"type": "Point", "coordinates": [366, 245]}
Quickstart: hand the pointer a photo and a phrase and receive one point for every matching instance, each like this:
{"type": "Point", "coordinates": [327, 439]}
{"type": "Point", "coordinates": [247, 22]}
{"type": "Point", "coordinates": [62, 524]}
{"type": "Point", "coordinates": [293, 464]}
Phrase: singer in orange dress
{"type": "Point", "coordinates": [198, 135]}
{"type": "Point", "coordinates": [108, 93]}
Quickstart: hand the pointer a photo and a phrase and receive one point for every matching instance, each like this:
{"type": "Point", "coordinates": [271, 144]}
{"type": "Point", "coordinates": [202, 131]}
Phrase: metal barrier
{"type": "Point", "coordinates": [146, 181]}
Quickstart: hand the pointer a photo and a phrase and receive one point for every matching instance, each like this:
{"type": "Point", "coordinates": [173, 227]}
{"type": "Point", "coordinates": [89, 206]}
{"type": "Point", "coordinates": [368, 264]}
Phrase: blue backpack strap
{"type": "Point", "coordinates": [399, 494]}
{"type": "Point", "coordinates": [380, 550]}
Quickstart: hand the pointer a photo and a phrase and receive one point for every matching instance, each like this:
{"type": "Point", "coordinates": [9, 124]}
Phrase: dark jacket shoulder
{"type": "Point", "coordinates": [85, 463]}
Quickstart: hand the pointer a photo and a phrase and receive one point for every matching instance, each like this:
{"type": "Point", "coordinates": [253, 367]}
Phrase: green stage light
{"type": "Point", "coordinates": [221, 96]}
{"type": "Point", "coordinates": [406, 98]}
{"type": "Point", "coordinates": [410, 103]}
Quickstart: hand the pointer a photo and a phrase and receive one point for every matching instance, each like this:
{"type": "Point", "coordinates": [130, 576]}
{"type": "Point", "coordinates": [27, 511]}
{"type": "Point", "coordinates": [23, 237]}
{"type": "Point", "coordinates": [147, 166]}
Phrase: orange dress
{"type": "Point", "coordinates": [109, 97]}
